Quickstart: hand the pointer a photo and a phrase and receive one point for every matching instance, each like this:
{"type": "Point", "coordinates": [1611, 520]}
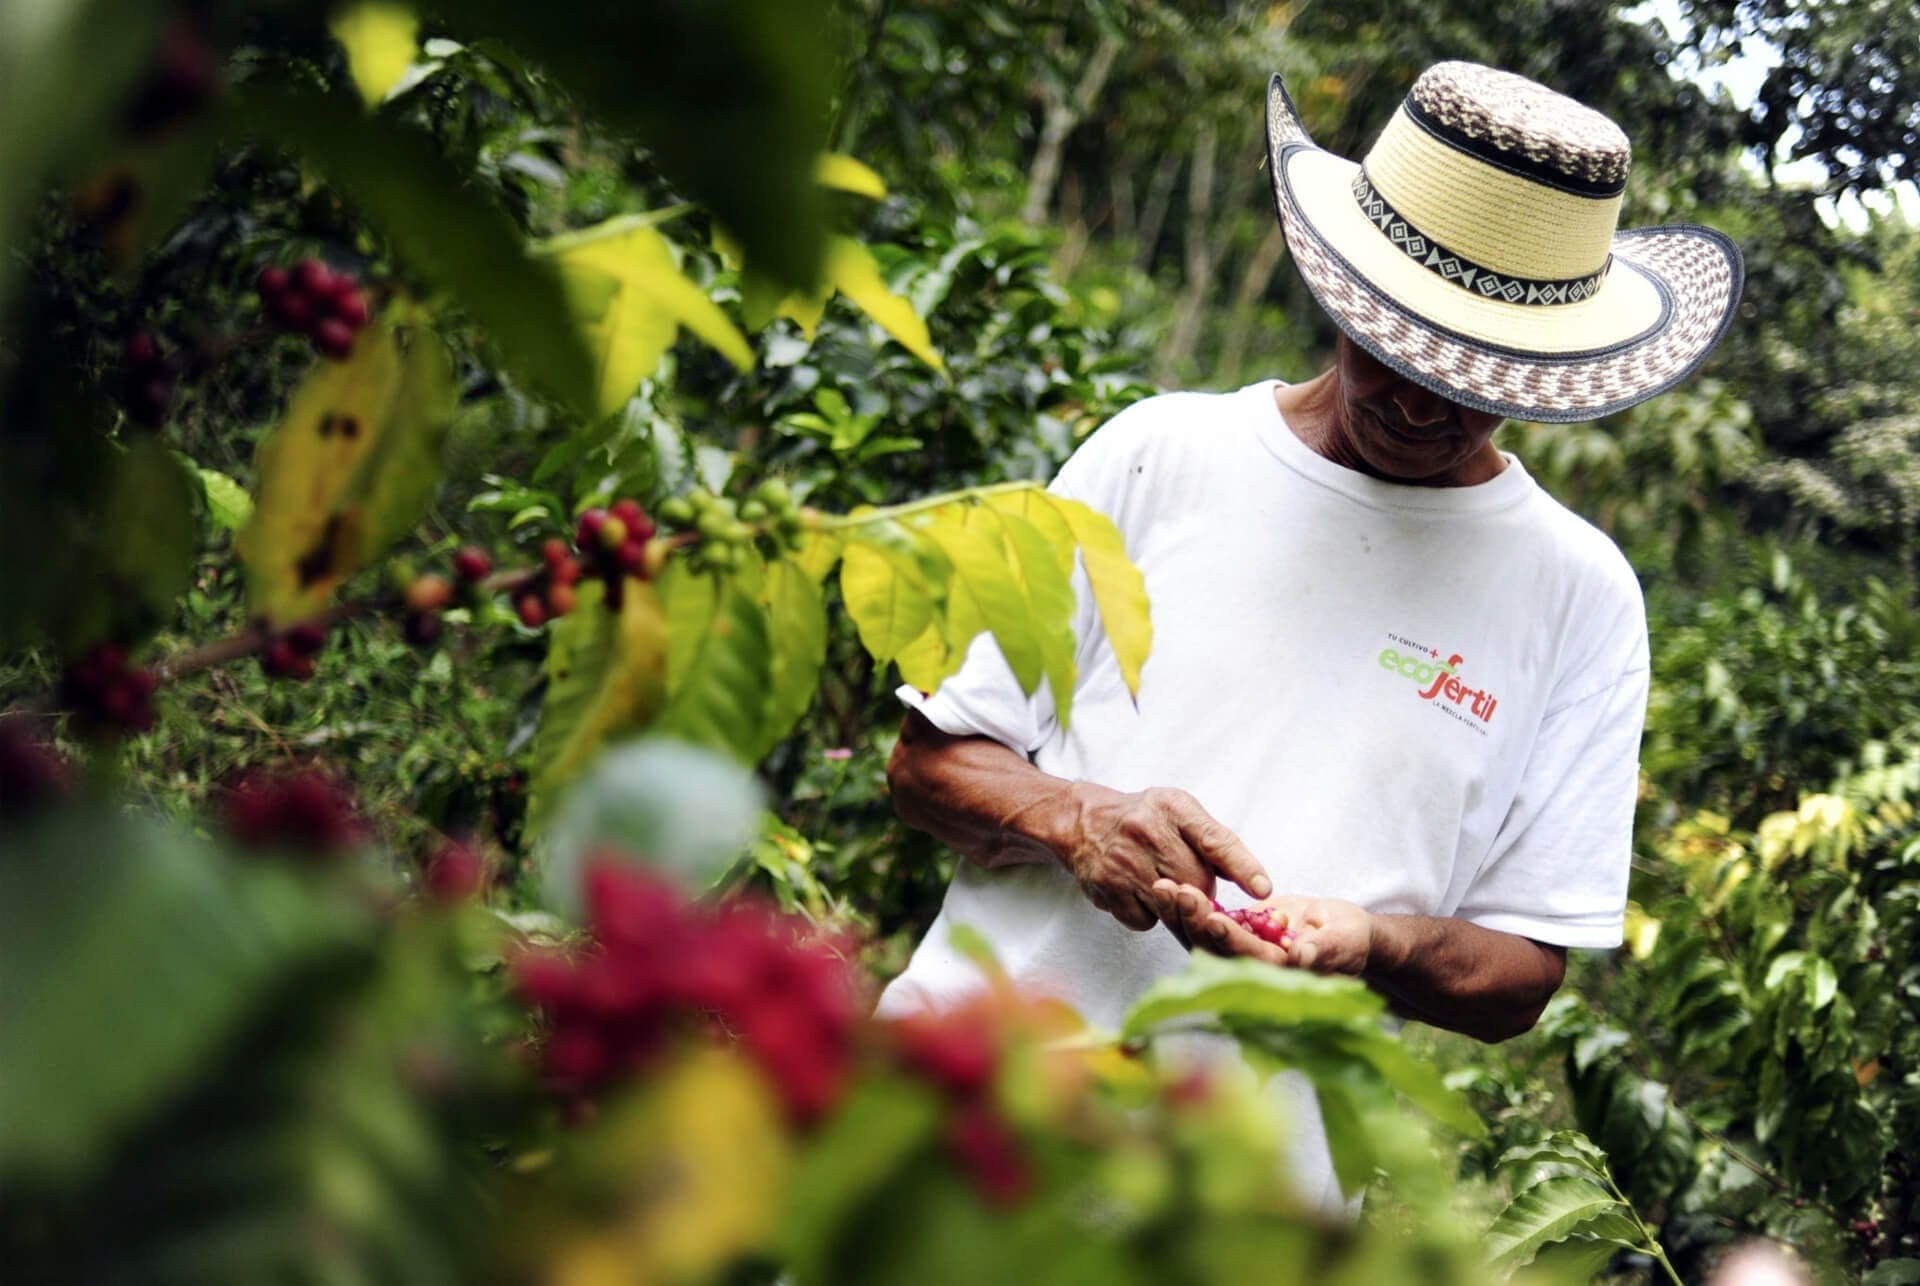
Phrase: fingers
{"type": "Point", "coordinates": [1209, 929]}
{"type": "Point", "coordinates": [1122, 905]}
{"type": "Point", "coordinates": [1217, 845]}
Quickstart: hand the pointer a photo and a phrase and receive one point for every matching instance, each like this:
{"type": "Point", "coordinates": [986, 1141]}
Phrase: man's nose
{"type": "Point", "coordinates": [1419, 406]}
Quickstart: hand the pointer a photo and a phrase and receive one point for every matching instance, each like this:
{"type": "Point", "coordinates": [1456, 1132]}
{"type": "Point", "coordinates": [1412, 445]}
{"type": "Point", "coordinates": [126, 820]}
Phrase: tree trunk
{"type": "Point", "coordinates": [1246, 300]}
{"type": "Point", "coordinates": [1159, 197]}
{"type": "Point", "coordinates": [1063, 113]}
{"type": "Point", "coordinates": [1199, 255]}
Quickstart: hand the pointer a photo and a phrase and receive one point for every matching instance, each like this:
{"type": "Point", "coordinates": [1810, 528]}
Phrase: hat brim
{"type": "Point", "coordinates": [1667, 300]}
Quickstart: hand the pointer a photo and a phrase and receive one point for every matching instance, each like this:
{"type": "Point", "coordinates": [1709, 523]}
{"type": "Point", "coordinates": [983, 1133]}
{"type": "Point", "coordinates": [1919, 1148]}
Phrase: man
{"type": "Point", "coordinates": [1394, 687]}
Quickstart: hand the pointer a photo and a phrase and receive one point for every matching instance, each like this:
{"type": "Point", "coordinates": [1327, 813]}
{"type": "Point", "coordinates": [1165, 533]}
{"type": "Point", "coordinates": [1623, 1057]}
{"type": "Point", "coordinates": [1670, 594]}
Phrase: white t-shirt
{"type": "Point", "coordinates": [1423, 700]}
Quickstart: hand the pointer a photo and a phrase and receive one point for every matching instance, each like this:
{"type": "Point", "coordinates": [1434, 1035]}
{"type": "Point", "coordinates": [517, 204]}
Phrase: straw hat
{"type": "Point", "coordinates": [1476, 250]}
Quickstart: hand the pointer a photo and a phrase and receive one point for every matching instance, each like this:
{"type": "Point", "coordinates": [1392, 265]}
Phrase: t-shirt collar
{"type": "Point", "coordinates": [1508, 487]}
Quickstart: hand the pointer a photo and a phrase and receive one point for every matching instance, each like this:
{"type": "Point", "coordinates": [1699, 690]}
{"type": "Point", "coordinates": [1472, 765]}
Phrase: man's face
{"type": "Point", "coordinates": [1402, 431]}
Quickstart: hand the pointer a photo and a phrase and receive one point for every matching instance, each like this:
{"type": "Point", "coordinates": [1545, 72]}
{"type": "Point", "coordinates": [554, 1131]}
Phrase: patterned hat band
{"type": "Point", "coordinates": [1463, 272]}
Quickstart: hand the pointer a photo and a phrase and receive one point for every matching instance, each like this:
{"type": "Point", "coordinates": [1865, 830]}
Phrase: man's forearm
{"type": "Point", "coordinates": [1455, 974]}
{"type": "Point", "coordinates": [984, 801]}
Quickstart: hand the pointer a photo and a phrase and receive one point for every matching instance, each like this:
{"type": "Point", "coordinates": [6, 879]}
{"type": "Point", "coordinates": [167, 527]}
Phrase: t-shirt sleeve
{"type": "Point", "coordinates": [983, 698]}
{"type": "Point", "coordinates": [1558, 869]}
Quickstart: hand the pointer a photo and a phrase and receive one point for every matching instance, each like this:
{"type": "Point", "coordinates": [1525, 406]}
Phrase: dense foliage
{"type": "Point", "coordinates": [473, 476]}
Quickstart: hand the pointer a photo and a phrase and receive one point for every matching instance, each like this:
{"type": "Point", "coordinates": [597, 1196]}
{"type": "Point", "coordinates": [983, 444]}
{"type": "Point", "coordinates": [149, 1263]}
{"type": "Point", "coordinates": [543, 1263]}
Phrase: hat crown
{"type": "Point", "coordinates": [1506, 115]}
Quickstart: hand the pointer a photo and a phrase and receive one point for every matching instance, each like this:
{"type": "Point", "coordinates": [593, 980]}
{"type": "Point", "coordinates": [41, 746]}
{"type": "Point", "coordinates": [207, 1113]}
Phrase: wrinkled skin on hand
{"type": "Point", "coordinates": [1125, 843]}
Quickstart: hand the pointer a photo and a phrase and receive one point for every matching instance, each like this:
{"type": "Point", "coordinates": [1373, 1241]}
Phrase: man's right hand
{"type": "Point", "coordinates": [992, 805]}
{"type": "Point", "coordinates": [1124, 842]}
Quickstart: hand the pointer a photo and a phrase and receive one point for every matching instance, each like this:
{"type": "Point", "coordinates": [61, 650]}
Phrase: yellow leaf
{"type": "Point", "coordinates": [628, 296]}
{"type": "Point", "coordinates": [348, 470]}
{"type": "Point", "coordinates": [929, 660]}
{"type": "Point", "coordinates": [853, 271]}
{"type": "Point", "coordinates": [1119, 590]}
{"type": "Point", "coordinates": [381, 40]}
{"type": "Point", "coordinates": [606, 676]}
{"type": "Point", "coordinates": [843, 173]}
{"type": "Point", "coordinates": [888, 597]}
{"type": "Point", "coordinates": [985, 593]}
{"type": "Point", "coordinates": [1037, 508]}
{"type": "Point", "coordinates": [704, 1159]}
{"type": "Point", "coordinates": [819, 551]}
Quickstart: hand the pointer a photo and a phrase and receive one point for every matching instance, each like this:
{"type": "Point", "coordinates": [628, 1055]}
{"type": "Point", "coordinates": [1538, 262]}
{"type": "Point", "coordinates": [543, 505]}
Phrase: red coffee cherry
{"type": "Point", "coordinates": [308, 638]}
{"type": "Point", "coordinates": [471, 563]}
{"type": "Point", "coordinates": [314, 280]}
{"type": "Point", "coordinates": [272, 282]}
{"type": "Point", "coordinates": [532, 611]}
{"type": "Point", "coordinates": [421, 629]}
{"type": "Point", "coordinates": [429, 593]}
{"type": "Point", "coordinates": [334, 338]}
{"type": "Point", "coordinates": [456, 873]}
{"type": "Point", "coordinates": [350, 307]}
{"type": "Point", "coordinates": [587, 534]}
{"type": "Point", "coordinates": [561, 599]}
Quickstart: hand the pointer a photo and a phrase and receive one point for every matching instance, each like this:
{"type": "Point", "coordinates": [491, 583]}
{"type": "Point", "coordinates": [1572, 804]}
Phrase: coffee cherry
{"type": "Point", "coordinates": [774, 494]}
{"type": "Point", "coordinates": [142, 352]}
{"type": "Point", "coordinates": [334, 338]}
{"type": "Point", "coordinates": [753, 511]}
{"type": "Point", "coordinates": [471, 563]}
{"type": "Point", "coordinates": [613, 533]}
{"type": "Point", "coordinates": [272, 282]}
{"type": "Point", "coordinates": [429, 593]}
{"type": "Point", "coordinates": [676, 512]}
{"type": "Point", "coordinates": [32, 775]}
{"type": "Point", "coordinates": [306, 812]}
{"type": "Point", "coordinates": [456, 873]}
{"type": "Point", "coordinates": [565, 572]}
{"type": "Point", "coordinates": [313, 279]}
{"type": "Point", "coordinates": [562, 599]}
{"type": "Point", "coordinates": [280, 659]}
{"type": "Point", "coordinates": [631, 559]}
{"type": "Point", "coordinates": [639, 526]}
{"type": "Point", "coordinates": [293, 310]}
{"type": "Point", "coordinates": [554, 551]}
{"type": "Point", "coordinates": [656, 559]}
{"type": "Point", "coordinates": [103, 690]}
{"type": "Point", "coordinates": [532, 612]}
{"type": "Point", "coordinates": [307, 638]}
{"type": "Point", "coordinates": [421, 629]}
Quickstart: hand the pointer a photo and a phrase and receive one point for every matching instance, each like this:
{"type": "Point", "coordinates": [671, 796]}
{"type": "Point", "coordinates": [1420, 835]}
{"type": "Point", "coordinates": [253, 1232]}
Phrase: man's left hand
{"type": "Point", "coordinates": [1329, 936]}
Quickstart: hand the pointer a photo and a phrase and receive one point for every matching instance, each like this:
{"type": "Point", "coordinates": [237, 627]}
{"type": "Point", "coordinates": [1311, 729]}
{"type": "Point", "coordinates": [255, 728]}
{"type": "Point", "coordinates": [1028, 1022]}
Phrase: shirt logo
{"type": "Point", "coordinates": [1439, 681]}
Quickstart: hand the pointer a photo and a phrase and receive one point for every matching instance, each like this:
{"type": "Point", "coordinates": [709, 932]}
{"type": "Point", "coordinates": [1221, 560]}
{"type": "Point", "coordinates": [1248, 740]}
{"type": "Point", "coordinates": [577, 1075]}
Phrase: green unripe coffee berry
{"type": "Point", "coordinates": [675, 512]}
{"type": "Point", "coordinates": [774, 494]}
{"type": "Point", "coordinates": [714, 525]}
{"type": "Point", "coordinates": [753, 511]}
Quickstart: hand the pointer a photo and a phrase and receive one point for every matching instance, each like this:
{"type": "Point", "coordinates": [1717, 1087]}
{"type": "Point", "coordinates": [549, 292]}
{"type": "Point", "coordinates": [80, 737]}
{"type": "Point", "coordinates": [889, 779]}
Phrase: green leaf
{"type": "Point", "coordinates": [628, 296]}
{"type": "Point", "coordinates": [1544, 1213]}
{"type": "Point", "coordinates": [723, 669]}
{"type": "Point", "coordinates": [1250, 990]}
{"type": "Point", "coordinates": [1419, 1082]}
{"type": "Point", "coordinates": [65, 70]}
{"type": "Point", "coordinates": [845, 174]}
{"type": "Point", "coordinates": [348, 471]}
{"type": "Point", "coordinates": [879, 1128]}
{"type": "Point", "coordinates": [1118, 588]}
{"type": "Point", "coordinates": [228, 503]}
{"type": "Point", "coordinates": [381, 40]}
{"type": "Point", "coordinates": [606, 676]}
{"type": "Point", "coordinates": [146, 550]}
{"type": "Point", "coordinates": [662, 802]}
{"type": "Point", "coordinates": [1577, 1260]}
{"type": "Point", "coordinates": [886, 593]}
{"type": "Point", "coordinates": [797, 613]}
{"type": "Point", "coordinates": [852, 270]}
{"type": "Point", "coordinates": [133, 953]}
{"type": "Point", "coordinates": [705, 84]}
{"type": "Point", "coordinates": [403, 182]}
{"type": "Point", "coordinates": [1349, 1143]}
{"type": "Point", "coordinates": [1893, 1272]}
{"type": "Point", "coordinates": [984, 592]}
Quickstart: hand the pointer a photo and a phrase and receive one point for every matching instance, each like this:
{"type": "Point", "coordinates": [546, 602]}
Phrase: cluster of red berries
{"type": "Point", "coordinates": [32, 774]}
{"type": "Point", "coordinates": [959, 1051]}
{"type": "Point", "coordinates": [327, 307]}
{"type": "Point", "coordinates": [553, 590]}
{"type": "Point", "coordinates": [149, 379]}
{"type": "Point", "coordinates": [105, 690]}
{"type": "Point", "coordinates": [1260, 923]}
{"type": "Point", "coordinates": [662, 966]}
{"type": "Point", "coordinates": [306, 811]}
{"type": "Point", "coordinates": [290, 655]}
{"type": "Point", "coordinates": [455, 872]}
{"type": "Point", "coordinates": [617, 542]}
